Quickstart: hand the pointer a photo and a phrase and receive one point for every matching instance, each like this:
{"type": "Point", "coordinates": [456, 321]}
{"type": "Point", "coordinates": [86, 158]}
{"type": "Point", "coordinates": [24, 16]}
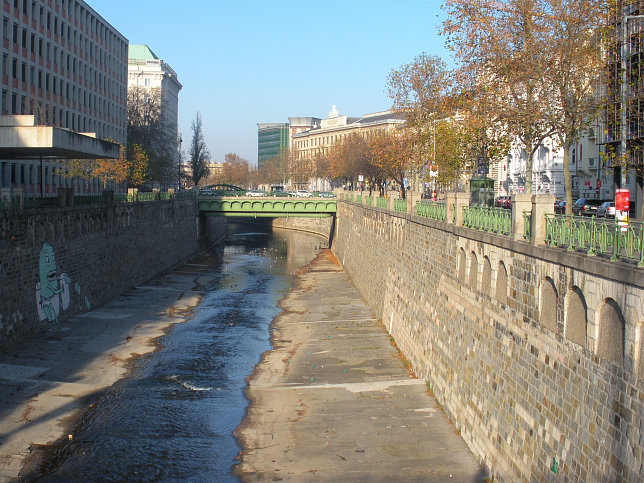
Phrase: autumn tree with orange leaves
{"type": "Point", "coordinates": [530, 66]}
{"type": "Point", "coordinates": [394, 153]}
{"type": "Point", "coordinates": [500, 46]}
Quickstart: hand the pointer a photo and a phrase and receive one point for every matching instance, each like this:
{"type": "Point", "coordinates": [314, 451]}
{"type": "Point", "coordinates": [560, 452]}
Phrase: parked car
{"type": "Point", "coordinates": [606, 209]}
{"type": "Point", "coordinates": [586, 207]}
{"type": "Point", "coordinates": [326, 194]}
{"type": "Point", "coordinates": [503, 202]}
{"type": "Point", "coordinates": [560, 207]}
{"type": "Point", "coordinates": [255, 193]}
{"type": "Point", "coordinates": [279, 193]}
{"type": "Point", "coordinates": [303, 194]}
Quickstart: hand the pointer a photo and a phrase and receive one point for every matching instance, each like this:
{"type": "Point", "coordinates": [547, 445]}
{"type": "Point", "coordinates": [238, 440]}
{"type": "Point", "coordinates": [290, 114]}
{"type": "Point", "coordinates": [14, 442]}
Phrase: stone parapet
{"type": "Point", "coordinates": [60, 263]}
{"type": "Point", "coordinates": [535, 353]}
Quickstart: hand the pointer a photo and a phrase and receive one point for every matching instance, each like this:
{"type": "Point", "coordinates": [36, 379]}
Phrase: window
{"type": "Point", "coordinates": [5, 28]}
{"type": "Point", "coordinates": [15, 33]}
{"type": "Point", "coordinates": [14, 68]}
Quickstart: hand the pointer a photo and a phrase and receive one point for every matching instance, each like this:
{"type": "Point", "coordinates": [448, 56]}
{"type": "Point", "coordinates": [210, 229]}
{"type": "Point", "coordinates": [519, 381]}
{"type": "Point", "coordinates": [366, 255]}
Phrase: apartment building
{"type": "Point", "coordinates": [147, 71]}
{"type": "Point", "coordinates": [63, 64]}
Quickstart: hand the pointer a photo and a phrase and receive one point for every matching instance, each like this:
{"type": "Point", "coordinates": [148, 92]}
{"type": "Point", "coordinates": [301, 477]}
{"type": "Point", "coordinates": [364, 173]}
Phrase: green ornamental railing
{"type": "Point", "coordinates": [368, 200]}
{"type": "Point", "coordinates": [400, 205]}
{"type": "Point", "coordinates": [358, 198]}
{"type": "Point", "coordinates": [432, 209]}
{"type": "Point", "coordinates": [597, 237]}
{"type": "Point", "coordinates": [381, 202]}
{"type": "Point", "coordinates": [488, 219]}
{"type": "Point", "coordinates": [527, 225]}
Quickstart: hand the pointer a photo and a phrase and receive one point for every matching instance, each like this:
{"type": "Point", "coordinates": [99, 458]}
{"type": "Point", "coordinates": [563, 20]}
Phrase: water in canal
{"type": "Point", "coordinates": [173, 418]}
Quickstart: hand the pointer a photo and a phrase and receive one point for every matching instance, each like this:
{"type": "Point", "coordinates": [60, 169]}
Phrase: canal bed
{"type": "Point", "coordinates": [172, 418]}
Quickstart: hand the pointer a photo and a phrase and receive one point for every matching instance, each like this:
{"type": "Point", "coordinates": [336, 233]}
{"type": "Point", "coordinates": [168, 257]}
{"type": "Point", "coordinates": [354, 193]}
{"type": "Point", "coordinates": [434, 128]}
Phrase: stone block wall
{"type": "Point", "coordinates": [536, 354]}
{"type": "Point", "coordinates": [63, 262]}
{"type": "Point", "coordinates": [320, 226]}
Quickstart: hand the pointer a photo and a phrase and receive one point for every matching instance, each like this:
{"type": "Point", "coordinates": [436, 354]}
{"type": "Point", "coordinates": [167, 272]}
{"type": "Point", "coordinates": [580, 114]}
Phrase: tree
{"type": "Point", "coordinates": [577, 30]}
{"type": "Point", "coordinates": [147, 128]}
{"type": "Point", "coordinates": [502, 48]}
{"type": "Point", "coordinates": [276, 170]}
{"type": "Point", "coordinates": [137, 164]}
{"type": "Point", "coordinates": [393, 152]}
{"type": "Point", "coordinates": [199, 155]}
{"type": "Point", "coordinates": [114, 170]}
{"type": "Point", "coordinates": [236, 170]}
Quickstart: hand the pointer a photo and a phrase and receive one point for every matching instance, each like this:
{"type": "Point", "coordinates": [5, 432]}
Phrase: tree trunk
{"type": "Point", "coordinates": [566, 171]}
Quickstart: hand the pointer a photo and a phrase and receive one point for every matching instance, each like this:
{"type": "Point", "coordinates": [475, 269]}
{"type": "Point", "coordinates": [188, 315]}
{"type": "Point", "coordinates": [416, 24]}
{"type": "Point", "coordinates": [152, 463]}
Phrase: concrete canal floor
{"type": "Point", "coordinates": [334, 401]}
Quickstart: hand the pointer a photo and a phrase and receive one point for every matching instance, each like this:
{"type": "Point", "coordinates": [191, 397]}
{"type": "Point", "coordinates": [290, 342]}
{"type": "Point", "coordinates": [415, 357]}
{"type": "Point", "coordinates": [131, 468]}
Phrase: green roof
{"type": "Point", "coordinates": [140, 52]}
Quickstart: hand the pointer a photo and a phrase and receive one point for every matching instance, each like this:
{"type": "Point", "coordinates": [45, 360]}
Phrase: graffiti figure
{"type": "Point", "coordinates": [52, 291]}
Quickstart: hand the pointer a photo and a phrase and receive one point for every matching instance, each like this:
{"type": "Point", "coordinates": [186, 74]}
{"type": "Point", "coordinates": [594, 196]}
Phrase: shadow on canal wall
{"type": "Point", "coordinates": [55, 264]}
{"type": "Point", "coordinates": [535, 353]}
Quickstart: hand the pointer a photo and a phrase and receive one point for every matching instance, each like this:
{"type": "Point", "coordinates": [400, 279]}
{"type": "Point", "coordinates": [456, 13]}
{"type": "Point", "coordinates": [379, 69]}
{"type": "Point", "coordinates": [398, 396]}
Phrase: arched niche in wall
{"type": "Point", "coordinates": [548, 306]}
{"type": "Point", "coordinates": [576, 320]}
{"type": "Point", "coordinates": [474, 270]}
{"type": "Point", "coordinates": [610, 343]}
{"type": "Point", "coordinates": [461, 265]}
{"type": "Point", "coordinates": [502, 284]}
{"type": "Point", "coordinates": [486, 276]}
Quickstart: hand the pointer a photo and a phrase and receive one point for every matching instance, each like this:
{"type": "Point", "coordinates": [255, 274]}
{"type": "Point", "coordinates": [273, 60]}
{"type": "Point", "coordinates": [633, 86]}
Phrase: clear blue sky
{"type": "Point", "coordinates": [244, 62]}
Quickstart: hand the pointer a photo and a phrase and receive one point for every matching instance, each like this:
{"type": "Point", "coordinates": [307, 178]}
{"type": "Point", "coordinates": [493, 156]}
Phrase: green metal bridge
{"type": "Point", "coordinates": [268, 207]}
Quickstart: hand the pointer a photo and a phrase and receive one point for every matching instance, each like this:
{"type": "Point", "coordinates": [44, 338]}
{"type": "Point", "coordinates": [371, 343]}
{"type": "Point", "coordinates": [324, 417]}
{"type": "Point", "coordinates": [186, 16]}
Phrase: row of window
{"type": "Point", "coordinates": [46, 114]}
{"type": "Point", "coordinates": [77, 13]}
{"type": "Point", "coordinates": [50, 83]}
{"type": "Point", "coordinates": [60, 56]}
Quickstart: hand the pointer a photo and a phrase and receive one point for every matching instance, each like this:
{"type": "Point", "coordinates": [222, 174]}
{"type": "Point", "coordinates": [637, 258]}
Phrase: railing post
{"type": "Point", "coordinates": [541, 204]}
{"type": "Point", "coordinates": [450, 202]}
{"type": "Point", "coordinates": [412, 198]}
{"type": "Point", "coordinates": [391, 196]}
{"type": "Point", "coordinates": [461, 200]}
{"type": "Point", "coordinates": [520, 203]}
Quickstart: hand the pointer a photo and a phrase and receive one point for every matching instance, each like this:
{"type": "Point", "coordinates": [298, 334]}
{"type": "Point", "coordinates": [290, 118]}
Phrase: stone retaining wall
{"type": "Point", "coordinates": [536, 354]}
{"type": "Point", "coordinates": [61, 262]}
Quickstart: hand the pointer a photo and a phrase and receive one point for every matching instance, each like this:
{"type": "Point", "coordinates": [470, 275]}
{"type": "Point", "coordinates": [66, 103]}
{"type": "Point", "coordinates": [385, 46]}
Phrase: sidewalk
{"type": "Point", "coordinates": [50, 379]}
{"type": "Point", "coordinates": [333, 401]}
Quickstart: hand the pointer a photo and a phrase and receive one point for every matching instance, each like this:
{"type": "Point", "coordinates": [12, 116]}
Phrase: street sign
{"type": "Point", "coordinates": [622, 203]}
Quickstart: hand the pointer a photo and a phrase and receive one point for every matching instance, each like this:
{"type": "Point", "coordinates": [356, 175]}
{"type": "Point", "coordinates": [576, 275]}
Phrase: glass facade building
{"type": "Point", "coordinates": [272, 138]}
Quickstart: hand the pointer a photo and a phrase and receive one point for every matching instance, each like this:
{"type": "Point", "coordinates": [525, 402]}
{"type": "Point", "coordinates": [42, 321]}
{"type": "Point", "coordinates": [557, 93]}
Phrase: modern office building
{"type": "Point", "coordinates": [272, 140]}
{"type": "Point", "coordinates": [63, 64]}
{"type": "Point", "coordinates": [147, 71]}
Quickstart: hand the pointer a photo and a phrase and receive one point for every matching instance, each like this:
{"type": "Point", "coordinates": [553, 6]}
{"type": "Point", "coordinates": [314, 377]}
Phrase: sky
{"type": "Point", "coordinates": [242, 62]}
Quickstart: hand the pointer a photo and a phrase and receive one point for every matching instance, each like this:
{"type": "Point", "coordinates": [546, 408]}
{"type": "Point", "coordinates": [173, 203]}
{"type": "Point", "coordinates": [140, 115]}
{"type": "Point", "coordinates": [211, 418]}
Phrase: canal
{"type": "Point", "coordinates": [173, 417]}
